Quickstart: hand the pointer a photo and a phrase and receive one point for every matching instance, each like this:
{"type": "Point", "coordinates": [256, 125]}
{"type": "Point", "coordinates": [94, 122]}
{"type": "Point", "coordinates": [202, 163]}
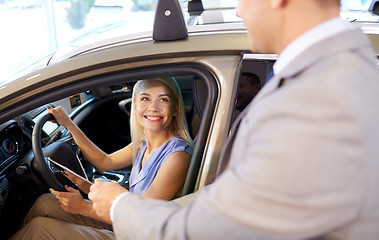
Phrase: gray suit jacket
{"type": "Point", "coordinates": [306, 164]}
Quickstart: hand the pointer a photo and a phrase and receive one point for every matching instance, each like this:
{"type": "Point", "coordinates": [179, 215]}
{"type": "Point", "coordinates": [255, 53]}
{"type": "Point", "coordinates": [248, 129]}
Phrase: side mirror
{"type": "Point", "coordinates": [169, 21]}
{"type": "Point", "coordinates": [374, 8]}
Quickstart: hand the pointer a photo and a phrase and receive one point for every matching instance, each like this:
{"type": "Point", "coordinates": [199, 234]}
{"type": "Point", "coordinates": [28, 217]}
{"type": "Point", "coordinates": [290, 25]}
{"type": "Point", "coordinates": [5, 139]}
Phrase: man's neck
{"type": "Point", "coordinates": [298, 18]}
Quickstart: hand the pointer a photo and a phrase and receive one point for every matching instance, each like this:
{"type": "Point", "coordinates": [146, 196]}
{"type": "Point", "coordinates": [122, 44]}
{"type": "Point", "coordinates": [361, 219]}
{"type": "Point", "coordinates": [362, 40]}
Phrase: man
{"type": "Point", "coordinates": [307, 160]}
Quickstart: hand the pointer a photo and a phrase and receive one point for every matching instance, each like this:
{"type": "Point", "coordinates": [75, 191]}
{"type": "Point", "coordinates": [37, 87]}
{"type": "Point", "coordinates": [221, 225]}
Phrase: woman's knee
{"type": "Point", "coordinates": [35, 229]}
{"type": "Point", "coordinates": [38, 222]}
{"type": "Point", "coordinates": [44, 203]}
{"type": "Point", "coordinates": [43, 206]}
{"type": "Point", "coordinates": [46, 198]}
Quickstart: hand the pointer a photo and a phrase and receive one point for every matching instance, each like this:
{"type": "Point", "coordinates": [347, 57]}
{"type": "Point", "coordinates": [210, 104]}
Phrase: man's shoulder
{"type": "Point", "coordinates": [339, 52]}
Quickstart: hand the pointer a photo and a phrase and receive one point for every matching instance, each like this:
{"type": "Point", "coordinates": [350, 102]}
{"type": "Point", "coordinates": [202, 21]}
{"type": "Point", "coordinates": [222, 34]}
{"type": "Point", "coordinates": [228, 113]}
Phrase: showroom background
{"type": "Point", "coordinates": [32, 28]}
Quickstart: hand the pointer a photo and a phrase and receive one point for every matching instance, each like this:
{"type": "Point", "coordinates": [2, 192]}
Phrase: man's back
{"type": "Point", "coordinates": [308, 145]}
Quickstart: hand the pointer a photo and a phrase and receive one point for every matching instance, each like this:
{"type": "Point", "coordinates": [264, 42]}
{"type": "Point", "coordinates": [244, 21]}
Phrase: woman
{"type": "Point", "coordinates": [161, 150]}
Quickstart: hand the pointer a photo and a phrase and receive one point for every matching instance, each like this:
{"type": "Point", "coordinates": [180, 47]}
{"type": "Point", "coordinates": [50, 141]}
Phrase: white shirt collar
{"type": "Point", "coordinates": [309, 38]}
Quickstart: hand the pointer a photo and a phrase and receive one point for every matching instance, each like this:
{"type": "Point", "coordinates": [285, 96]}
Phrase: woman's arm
{"type": "Point", "coordinates": [101, 160]}
{"type": "Point", "coordinates": [170, 177]}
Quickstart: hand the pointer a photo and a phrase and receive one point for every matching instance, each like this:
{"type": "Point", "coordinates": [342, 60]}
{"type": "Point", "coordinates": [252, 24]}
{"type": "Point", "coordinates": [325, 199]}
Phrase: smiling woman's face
{"type": "Point", "coordinates": [155, 107]}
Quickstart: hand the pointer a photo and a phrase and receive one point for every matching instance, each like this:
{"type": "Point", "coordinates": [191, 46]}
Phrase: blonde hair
{"type": "Point", "coordinates": [178, 125]}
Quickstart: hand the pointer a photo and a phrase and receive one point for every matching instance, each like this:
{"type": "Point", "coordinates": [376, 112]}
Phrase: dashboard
{"type": "Point", "coordinates": [9, 146]}
{"type": "Point", "coordinates": [15, 135]}
{"type": "Point", "coordinates": [18, 180]}
{"type": "Point", "coordinates": [12, 141]}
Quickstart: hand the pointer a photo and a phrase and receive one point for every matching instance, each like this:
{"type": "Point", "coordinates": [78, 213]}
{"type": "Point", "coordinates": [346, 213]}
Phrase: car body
{"type": "Point", "coordinates": [93, 82]}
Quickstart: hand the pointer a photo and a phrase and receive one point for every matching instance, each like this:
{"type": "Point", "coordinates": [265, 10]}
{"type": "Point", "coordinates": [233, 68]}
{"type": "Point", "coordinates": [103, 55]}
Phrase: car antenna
{"type": "Point", "coordinates": [169, 23]}
{"type": "Point", "coordinates": [374, 8]}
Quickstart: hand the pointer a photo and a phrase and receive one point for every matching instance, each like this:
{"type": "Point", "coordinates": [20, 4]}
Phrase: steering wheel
{"type": "Point", "coordinates": [60, 151]}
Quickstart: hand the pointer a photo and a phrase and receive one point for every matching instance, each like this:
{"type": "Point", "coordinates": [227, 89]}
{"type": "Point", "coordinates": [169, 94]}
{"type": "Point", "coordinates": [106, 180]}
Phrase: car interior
{"type": "Point", "coordinates": [100, 106]}
{"type": "Point", "coordinates": [102, 112]}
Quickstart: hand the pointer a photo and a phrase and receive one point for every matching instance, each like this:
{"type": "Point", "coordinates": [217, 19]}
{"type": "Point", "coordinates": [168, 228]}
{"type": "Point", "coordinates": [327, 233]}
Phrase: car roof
{"type": "Point", "coordinates": [76, 50]}
{"type": "Point", "coordinates": [82, 47]}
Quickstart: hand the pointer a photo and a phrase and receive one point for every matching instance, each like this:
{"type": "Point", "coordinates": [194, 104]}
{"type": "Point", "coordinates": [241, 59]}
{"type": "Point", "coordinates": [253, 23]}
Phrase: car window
{"type": "Point", "coordinates": [109, 107]}
{"type": "Point", "coordinates": [250, 81]}
{"type": "Point", "coordinates": [101, 119]}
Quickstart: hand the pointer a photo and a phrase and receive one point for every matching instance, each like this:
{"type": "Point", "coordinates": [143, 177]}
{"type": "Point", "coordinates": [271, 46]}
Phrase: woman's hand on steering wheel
{"type": "Point", "coordinates": [60, 115]}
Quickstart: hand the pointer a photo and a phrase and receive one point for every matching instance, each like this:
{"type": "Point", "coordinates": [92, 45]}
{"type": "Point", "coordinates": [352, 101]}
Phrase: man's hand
{"type": "Point", "coordinates": [102, 194]}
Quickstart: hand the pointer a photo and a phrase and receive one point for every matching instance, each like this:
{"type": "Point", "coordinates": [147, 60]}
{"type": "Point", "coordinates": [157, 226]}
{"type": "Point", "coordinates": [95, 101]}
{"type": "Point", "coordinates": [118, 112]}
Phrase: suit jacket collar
{"type": "Point", "coordinates": [349, 40]}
